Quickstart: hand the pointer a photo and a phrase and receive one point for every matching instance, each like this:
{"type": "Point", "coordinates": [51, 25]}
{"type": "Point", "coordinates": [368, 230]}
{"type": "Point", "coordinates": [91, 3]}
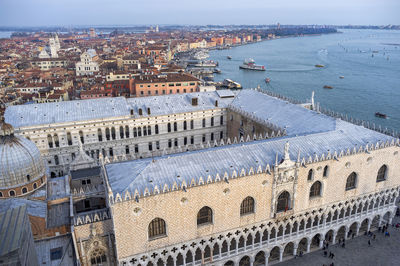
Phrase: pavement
{"type": "Point", "coordinates": [384, 251]}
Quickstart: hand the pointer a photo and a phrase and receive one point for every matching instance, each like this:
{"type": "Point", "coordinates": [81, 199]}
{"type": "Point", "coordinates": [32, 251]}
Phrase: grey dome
{"type": "Point", "coordinates": [20, 160]}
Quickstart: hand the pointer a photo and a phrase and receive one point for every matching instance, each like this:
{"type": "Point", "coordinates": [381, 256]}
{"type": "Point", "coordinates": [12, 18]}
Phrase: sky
{"type": "Point", "coordinates": [197, 12]}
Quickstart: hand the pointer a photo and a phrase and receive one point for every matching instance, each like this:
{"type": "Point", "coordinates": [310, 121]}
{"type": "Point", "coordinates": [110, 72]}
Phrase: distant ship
{"type": "Point", "coordinates": [380, 115]}
{"type": "Point", "coordinates": [249, 64]}
{"type": "Point", "coordinates": [229, 57]}
{"type": "Point", "coordinates": [319, 65]}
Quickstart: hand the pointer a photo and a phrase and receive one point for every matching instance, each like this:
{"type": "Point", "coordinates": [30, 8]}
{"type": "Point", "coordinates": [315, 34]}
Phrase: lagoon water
{"type": "Point", "coordinates": [369, 60]}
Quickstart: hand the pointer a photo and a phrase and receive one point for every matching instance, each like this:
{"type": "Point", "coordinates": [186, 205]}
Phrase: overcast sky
{"type": "Point", "coordinates": [197, 12]}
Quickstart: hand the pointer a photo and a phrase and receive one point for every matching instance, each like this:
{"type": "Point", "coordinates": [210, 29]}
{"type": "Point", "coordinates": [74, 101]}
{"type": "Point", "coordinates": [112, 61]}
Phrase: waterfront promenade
{"type": "Point", "coordinates": [384, 251]}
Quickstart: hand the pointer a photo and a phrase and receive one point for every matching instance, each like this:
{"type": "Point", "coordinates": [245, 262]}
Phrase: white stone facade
{"type": "Point", "coordinates": [87, 66]}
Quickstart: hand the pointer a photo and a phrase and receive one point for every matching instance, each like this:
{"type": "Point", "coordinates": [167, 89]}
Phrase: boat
{"type": "Point", "coordinates": [380, 115]}
{"type": "Point", "coordinates": [229, 57]}
{"type": "Point", "coordinates": [328, 87]}
{"type": "Point", "coordinates": [341, 77]}
{"type": "Point", "coordinates": [267, 80]}
{"type": "Point", "coordinates": [217, 70]}
{"type": "Point", "coordinates": [318, 65]}
{"type": "Point", "coordinates": [249, 64]}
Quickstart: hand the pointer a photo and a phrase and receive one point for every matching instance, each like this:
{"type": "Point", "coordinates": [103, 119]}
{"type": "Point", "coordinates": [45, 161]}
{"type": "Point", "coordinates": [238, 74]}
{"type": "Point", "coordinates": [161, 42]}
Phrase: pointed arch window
{"type": "Point", "coordinates": [283, 203]}
{"type": "Point", "coordinates": [326, 171]}
{"type": "Point", "coordinates": [310, 175]}
{"type": "Point", "coordinates": [157, 228]}
{"type": "Point", "coordinates": [315, 190]}
{"type": "Point", "coordinates": [351, 181]}
{"type": "Point", "coordinates": [247, 206]}
{"type": "Point", "coordinates": [204, 216]}
{"type": "Point", "coordinates": [381, 174]}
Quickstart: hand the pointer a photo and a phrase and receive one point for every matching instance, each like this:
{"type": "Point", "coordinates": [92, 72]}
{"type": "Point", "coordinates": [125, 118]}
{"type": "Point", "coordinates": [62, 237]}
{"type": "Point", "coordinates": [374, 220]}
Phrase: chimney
{"type": "Point", "coordinates": [194, 101]}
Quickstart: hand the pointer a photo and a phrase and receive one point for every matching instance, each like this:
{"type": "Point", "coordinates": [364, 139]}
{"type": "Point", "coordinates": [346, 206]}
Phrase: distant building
{"type": "Point", "coordinates": [88, 64]}
{"type": "Point", "coordinates": [92, 33]}
{"type": "Point", "coordinates": [152, 85]}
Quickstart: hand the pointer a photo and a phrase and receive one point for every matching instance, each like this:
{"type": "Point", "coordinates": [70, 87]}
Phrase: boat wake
{"type": "Point", "coordinates": [293, 70]}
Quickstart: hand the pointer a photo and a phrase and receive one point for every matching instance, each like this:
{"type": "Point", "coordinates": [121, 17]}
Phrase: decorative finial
{"type": "Point", "coordinates": [286, 152]}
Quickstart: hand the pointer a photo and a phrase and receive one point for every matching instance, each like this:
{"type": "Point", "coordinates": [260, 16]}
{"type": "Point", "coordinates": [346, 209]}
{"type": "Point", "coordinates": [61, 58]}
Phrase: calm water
{"type": "Point", "coordinates": [371, 83]}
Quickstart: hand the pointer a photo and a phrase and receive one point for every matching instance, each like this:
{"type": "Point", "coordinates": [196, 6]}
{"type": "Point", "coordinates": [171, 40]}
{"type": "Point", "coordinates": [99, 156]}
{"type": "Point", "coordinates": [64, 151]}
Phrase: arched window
{"type": "Point", "coordinates": [310, 175]}
{"type": "Point", "coordinates": [156, 129]}
{"type": "Point", "coordinates": [28, 178]}
{"type": "Point", "coordinates": [247, 206]}
{"type": "Point", "coordinates": [11, 193]}
{"type": "Point", "coordinates": [175, 126]}
{"type": "Point", "coordinates": [127, 131]}
{"type": "Point", "coordinates": [121, 132]}
{"type": "Point", "coordinates": [99, 134]}
{"type": "Point", "coordinates": [204, 216]}
{"type": "Point", "coordinates": [112, 133]}
{"type": "Point", "coordinates": [157, 227]}
{"type": "Point", "coordinates": [34, 186]}
{"type": "Point", "coordinates": [315, 190]}
{"type": "Point", "coordinates": [107, 133]}
{"type": "Point", "coordinates": [351, 181]}
{"type": "Point", "coordinates": [50, 141]}
{"type": "Point", "coordinates": [1, 194]}
{"type": "Point", "coordinates": [24, 190]}
{"type": "Point", "coordinates": [98, 257]}
{"type": "Point", "coordinates": [326, 171]}
{"type": "Point", "coordinates": [283, 202]}
{"type": "Point", "coordinates": [169, 127]}
{"type": "Point", "coordinates": [81, 137]}
{"type": "Point", "coordinates": [69, 138]}
{"type": "Point", "coordinates": [381, 174]}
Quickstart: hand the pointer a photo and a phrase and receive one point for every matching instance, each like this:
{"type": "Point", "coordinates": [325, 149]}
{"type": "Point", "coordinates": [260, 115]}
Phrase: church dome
{"type": "Point", "coordinates": [22, 169]}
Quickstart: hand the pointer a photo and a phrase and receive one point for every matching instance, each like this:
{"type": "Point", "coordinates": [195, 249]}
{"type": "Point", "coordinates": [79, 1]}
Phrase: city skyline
{"type": "Point", "coordinates": [120, 12]}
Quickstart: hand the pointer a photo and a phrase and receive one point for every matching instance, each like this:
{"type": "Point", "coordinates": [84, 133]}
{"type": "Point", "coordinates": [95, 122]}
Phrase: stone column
{"type": "Point", "coordinates": [346, 233]}
{"type": "Point", "coordinates": [295, 247]}
{"type": "Point", "coordinates": [229, 247]}
{"type": "Point", "coordinates": [220, 250]}
{"type": "Point", "coordinates": [174, 258]}
{"type": "Point", "coordinates": [237, 247]}
{"type": "Point", "coordinates": [334, 238]}
{"type": "Point", "coordinates": [211, 253]}
{"type": "Point", "coordinates": [321, 242]}
{"type": "Point", "coordinates": [266, 258]}
{"type": "Point", "coordinates": [369, 225]}
{"type": "Point", "coordinates": [184, 260]}
{"type": "Point", "coordinates": [202, 257]}
{"type": "Point", "coordinates": [194, 257]}
{"type": "Point", "coordinates": [308, 246]}
{"type": "Point", "coordinates": [251, 261]}
{"type": "Point", "coordinates": [280, 254]}
{"type": "Point", "coordinates": [358, 229]}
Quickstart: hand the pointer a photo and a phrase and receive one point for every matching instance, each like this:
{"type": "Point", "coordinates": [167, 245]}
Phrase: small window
{"type": "Point", "coordinates": [11, 193]}
{"type": "Point", "coordinates": [310, 175]}
{"type": "Point", "coordinates": [247, 206]}
{"type": "Point", "coordinates": [204, 216]}
{"type": "Point", "coordinates": [1, 194]}
{"type": "Point", "coordinates": [157, 227]}
{"type": "Point", "coordinates": [34, 186]}
{"type": "Point", "coordinates": [24, 190]}
{"type": "Point", "coordinates": [351, 181]}
{"type": "Point", "coordinates": [381, 174]}
{"type": "Point", "coordinates": [204, 122]}
{"type": "Point", "coordinates": [56, 253]}
{"type": "Point", "coordinates": [326, 171]}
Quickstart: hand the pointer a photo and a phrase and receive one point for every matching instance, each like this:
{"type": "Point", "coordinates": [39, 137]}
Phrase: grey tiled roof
{"type": "Point", "coordinates": [309, 133]}
{"type": "Point", "coordinates": [83, 110]}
